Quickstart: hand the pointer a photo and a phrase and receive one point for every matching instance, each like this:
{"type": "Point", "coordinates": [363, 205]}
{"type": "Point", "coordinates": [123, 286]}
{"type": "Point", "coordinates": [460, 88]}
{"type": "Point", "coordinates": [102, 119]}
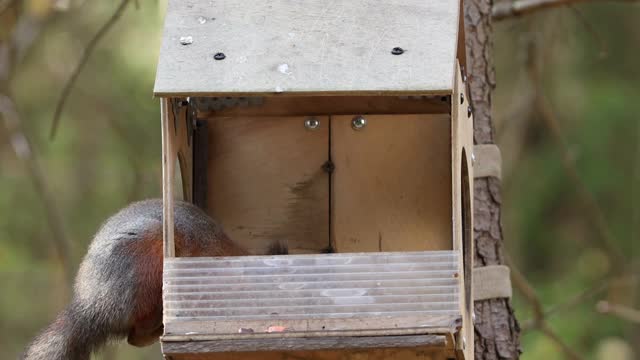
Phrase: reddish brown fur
{"type": "Point", "coordinates": [107, 302]}
{"type": "Point", "coordinates": [146, 317]}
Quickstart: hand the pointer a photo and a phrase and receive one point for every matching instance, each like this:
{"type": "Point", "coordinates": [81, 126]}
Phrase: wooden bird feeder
{"type": "Point", "coordinates": [341, 129]}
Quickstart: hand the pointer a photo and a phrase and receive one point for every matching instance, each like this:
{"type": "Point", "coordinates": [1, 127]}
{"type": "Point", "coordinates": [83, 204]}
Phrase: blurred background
{"type": "Point", "coordinates": [566, 116]}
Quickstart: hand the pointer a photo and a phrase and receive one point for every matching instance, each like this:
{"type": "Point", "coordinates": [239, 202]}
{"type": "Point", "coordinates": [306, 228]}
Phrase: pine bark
{"type": "Point", "coordinates": [497, 333]}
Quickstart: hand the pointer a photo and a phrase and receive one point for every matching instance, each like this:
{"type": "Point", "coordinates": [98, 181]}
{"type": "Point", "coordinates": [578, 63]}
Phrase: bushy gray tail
{"type": "Point", "coordinates": [73, 335]}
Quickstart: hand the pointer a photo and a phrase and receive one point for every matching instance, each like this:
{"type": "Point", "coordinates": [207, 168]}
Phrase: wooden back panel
{"type": "Point", "coordinates": [390, 189]}
{"type": "Point", "coordinates": [392, 183]}
{"type": "Point", "coordinates": [266, 181]}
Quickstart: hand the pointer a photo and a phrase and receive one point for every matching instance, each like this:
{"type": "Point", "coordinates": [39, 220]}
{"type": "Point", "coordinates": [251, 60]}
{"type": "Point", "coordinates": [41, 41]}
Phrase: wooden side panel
{"type": "Point", "coordinates": [267, 183]}
{"type": "Point", "coordinates": [183, 133]}
{"type": "Point", "coordinates": [462, 189]}
{"type": "Point", "coordinates": [419, 353]}
{"type": "Point", "coordinates": [392, 183]}
{"type": "Point", "coordinates": [168, 175]}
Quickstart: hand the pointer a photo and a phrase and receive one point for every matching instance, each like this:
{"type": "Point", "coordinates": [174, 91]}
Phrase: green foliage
{"type": "Point", "coordinates": [549, 231]}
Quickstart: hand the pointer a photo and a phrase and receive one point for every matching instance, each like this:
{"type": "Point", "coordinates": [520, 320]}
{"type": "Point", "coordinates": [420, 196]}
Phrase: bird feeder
{"type": "Point", "coordinates": [341, 130]}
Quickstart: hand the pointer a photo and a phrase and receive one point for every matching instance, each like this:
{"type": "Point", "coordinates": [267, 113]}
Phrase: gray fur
{"type": "Point", "coordinates": [105, 287]}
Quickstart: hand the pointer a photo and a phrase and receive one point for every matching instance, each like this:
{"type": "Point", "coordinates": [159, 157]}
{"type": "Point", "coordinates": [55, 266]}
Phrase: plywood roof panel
{"type": "Point", "coordinates": [307, 47]}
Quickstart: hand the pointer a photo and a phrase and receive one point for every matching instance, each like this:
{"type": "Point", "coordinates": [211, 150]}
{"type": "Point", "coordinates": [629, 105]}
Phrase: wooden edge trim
{"type": "Point", "coordinates": [293, 344]}
{"type": "Point", "coordinates": [168, 178]}
{"type": "Point", "coordinates": [433, 324]}
{"type": "Point", "coordinates": [311, 334]}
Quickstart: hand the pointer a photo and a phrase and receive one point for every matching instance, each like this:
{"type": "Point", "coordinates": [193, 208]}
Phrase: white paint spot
{"type": "Point", "coordinates": [344, 292]}
{"type": "Point", "coordinates": [186, 40]}
{"type": "Point", "coordinates": [279, 89]}
{"type": "Point", "coordinates": [242, 59]}
{"type": "Point", "coordinates": [277, 262]}
{"type": "Point", "coordinates": [291, 286]}
{"type": "Point", "coordinates": [202, 20]}
{"type": "Point", "coordinates": [284, 68]}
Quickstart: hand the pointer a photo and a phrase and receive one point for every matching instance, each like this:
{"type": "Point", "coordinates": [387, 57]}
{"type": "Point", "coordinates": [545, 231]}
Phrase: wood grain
{"type": "Point", "coordinates": [307, 344]}
{"type": "Point", "coordinates": [168, 177]}
{"type": "Point", "coordinates": [462, 188]}
{"type": "Point", "coordinates": [336, 105]}
{"type": "Point", "coordinates": [308, 47]}
{"type": "Point", "coordinates": [417, 353]}
{"type": "Point", "coordinates": [497, 330]}
{"type": "Point", "coordinates": [266, 182]}
{"type": "Point", "coordinates": [183, 133]}
{"type": "Point", "coordinates": [392, 183]}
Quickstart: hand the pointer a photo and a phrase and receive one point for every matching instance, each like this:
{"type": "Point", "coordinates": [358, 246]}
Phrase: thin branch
{"type": "Point", "coordinates": [134, 160]}
{"type": "Point", "coordinates": [621, 311]}
{"type": "Point", "coordinates": [568, 351]}
{"type": "Point", "coordinates": [83, 61]}
{"type": "Point", "coordinates": [571, 303]}
{"type": "Point", "coordinates": [635, 208]}
{"type": "Point", "coordinates": [539, 321]}
{"type": "Point", "coordinates": [23, 150]}
{"type": "Point", "coordinates": [508, 9]}
{"type": "Point", "coordinates": [15, 49]}
{"type": "Point", "coordinates": [5, 5]}
{"type": "Point", "coordinates": [604, 48]}
{"type": "Point", "coordinates": [593, 211]}
{"type": "Point", "coordinates": [522, 284]}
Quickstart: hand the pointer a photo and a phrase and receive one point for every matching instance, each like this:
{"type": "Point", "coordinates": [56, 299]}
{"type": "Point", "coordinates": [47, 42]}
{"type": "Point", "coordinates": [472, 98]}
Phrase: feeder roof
{"type": "Point", "coordinates": [312, 47]}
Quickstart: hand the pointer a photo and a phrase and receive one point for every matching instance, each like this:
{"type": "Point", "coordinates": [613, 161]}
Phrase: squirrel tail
{"type": "Point", "coordinates": [73, 335]}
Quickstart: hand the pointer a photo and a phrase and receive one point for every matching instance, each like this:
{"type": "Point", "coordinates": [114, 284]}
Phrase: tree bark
{"type": "Point", "coordinates": [497, 332]}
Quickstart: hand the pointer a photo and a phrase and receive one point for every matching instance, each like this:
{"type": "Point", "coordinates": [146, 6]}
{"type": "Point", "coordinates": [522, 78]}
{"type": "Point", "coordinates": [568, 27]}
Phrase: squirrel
{"type": "Point", "coordinates": [118, 288]}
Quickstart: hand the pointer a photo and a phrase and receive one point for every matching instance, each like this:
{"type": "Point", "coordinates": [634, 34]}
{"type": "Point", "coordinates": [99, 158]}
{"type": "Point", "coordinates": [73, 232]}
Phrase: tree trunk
{"type": "Point", "coordinates": [497, 333]}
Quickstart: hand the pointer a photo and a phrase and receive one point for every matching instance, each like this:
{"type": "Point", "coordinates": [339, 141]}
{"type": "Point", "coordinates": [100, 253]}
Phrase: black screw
{"type": "Point", "coordinates": [397, 51]}
{"type": "Point", "coordinates": [219, 56]}
{"type": "Point", "coordinates": [461, 98]}
{"type": "Point", "coordinates": [469, 111]}
{"type": "Point", "coordinates": [328, 167]}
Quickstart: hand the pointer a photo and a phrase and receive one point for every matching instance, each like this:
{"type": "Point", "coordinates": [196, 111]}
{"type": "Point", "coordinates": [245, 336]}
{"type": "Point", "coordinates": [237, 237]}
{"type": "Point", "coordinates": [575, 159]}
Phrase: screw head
{"type": "Point", "coordinates": [469, 111]}
{"type": "Point", "coordinates": [397, 51]}
{"type": "Point", "coordinates": [461, 98]}
{"type": "Point", "coordinates": [312, 123]}
{"type": "Point", "coordinates": [219, 56]}
{"type": "Point", "coordinates": [358, 123]}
